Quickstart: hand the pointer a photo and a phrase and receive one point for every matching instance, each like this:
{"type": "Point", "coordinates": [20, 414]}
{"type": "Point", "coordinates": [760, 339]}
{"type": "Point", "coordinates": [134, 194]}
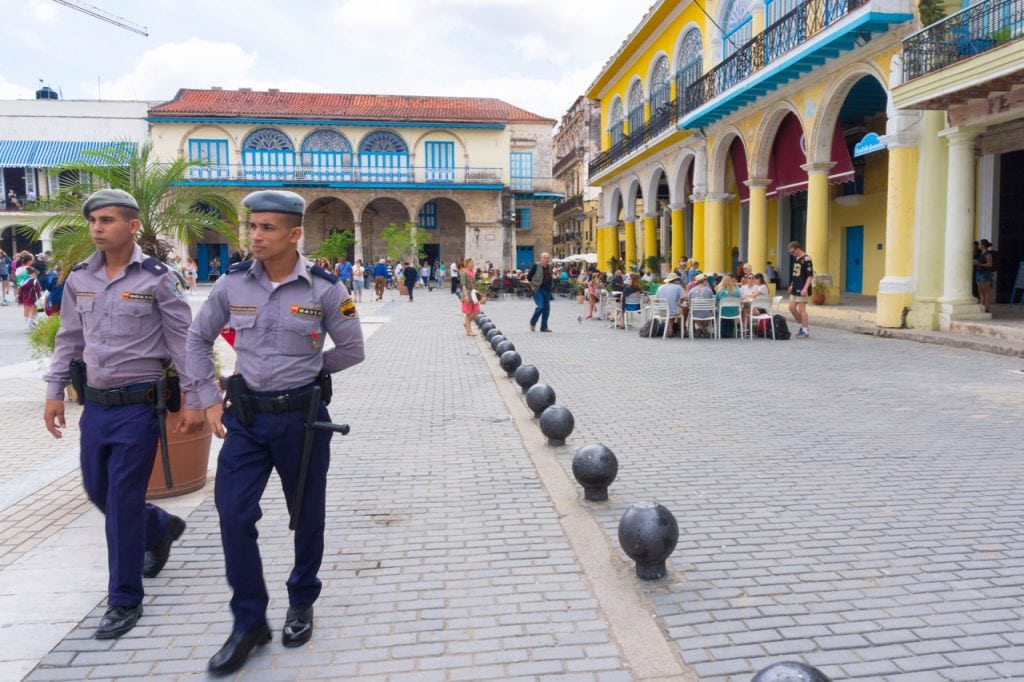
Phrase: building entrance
{"type": "Point", "coordinates": [1010, 242]}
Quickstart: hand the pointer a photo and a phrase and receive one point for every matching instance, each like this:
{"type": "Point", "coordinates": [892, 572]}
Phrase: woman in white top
{"type": "Point", "coordinates": [752, 287]}
{"type": "Point", "coordinates": [358, 273]}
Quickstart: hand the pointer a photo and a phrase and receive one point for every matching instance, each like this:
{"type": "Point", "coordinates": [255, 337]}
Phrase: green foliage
{"type": "Point", "coordinates": [653, 264]}
{"type": "Point", "coordinates": [43, 336]}
{"type": "Point", "coordinates": [405, 242]}
{"type": "Point", "coordinates": [1001, 35]}
{"type": "Point", "coordinates": [931, 11]}
{"type": "Point", "coordinates": [335, 246]}
{"type": "Point", "coordinates": [167, 209]}
{"type": "Point", "coordinates": [614, 263]}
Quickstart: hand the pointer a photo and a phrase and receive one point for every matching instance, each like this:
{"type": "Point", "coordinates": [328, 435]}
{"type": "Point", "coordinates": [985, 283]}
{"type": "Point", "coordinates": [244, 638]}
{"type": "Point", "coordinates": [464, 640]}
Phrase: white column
{"type": "Point", "coordinates": [358, 251]}
{"type": "Point", "coordinates": [956, 301]}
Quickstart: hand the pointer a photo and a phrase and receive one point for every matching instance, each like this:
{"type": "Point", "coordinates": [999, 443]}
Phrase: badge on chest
{"type": "Point", "coordinates": [307, 311]}
{"type": "Point", "coordinates": [137, 296]}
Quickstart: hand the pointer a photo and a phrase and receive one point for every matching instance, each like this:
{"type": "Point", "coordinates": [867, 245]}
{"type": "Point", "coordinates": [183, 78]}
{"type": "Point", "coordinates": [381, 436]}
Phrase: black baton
{"type": "Point", "coordinates": [312, 426]}
{"type": "Point", "coordinates": [160, 409]}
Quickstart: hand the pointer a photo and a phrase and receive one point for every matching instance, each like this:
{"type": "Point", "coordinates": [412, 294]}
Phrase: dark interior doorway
{"type": "Point", "coordinates": [1011, 223]}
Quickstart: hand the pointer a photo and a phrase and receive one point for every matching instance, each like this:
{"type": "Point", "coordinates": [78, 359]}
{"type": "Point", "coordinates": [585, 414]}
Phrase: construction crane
{"type": "Point", "coordinates": [104, 16]}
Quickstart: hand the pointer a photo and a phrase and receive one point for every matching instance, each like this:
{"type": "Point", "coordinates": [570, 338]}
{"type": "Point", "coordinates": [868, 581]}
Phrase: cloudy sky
{"type": "Point", "coordinates": [537, 54]}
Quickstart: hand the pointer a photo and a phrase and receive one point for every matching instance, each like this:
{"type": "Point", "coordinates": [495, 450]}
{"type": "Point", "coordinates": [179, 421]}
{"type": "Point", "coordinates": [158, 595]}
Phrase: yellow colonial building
{"type": "Point", "coordinates": [474, 172]}
{"type": "Point", "coordinates": [731, 128]}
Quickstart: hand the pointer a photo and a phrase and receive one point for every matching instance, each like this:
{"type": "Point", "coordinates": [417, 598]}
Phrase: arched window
{"type": "Point", "coordinates": [327, 155]}
{"type": "Point", "coordinates": [776, 9]}
{"type": "Point", "coordinates": [660, 84]}
{"type": "Point", "coordinates": [268, 154]}
{"type": "Point", "coordinates": [384, 157]}
{"type": "Point", "coordinates": [615, 120]}
{"type": "Point", "coordinates": [689, 62]}
{"type": "Point", "coordinates": [737, 27]}
{"type": "Point", "coordinates": [636, 106]}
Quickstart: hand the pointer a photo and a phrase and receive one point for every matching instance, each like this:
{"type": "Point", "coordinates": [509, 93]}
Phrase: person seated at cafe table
{"type": "Point", "coordinates": [618, 281]}
{"type": "Point", "coordinates": [632, 288]}
{"type": "Point", "coordinates": [673, 295]}
{"type": "Point", "coordinates": [727, 289]}
{"type": "Point", "coordinates": [702, 319]}
{"type": "Point", "coordinates": [752, 287]}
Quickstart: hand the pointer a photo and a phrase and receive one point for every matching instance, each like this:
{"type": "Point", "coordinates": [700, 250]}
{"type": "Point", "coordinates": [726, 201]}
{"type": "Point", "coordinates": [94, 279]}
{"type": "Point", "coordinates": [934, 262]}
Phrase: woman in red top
{"type": "Point", "coordinates": [470, 308]}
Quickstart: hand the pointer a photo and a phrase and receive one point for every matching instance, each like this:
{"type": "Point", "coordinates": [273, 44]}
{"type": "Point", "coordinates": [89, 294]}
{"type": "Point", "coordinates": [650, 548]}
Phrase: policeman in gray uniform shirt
{"type": "Point", "coordinates": [281, 308]}
{"type": "Point", "coordinates": [124, 315]}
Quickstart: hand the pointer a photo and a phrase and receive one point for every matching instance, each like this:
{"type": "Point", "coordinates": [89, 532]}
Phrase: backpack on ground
{"type": "Point", "coordinates": [781, 328]}
{"type": "Point", "coordinates": [652, 328]}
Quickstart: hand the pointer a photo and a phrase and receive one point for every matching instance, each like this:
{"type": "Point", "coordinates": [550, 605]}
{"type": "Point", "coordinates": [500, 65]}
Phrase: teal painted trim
{"type": "Point", "coordinates": [789, 68]}
{"type": "Point", "coordinates": [324, 122]}
{"type": "Point", "coordinates": [343, 185]}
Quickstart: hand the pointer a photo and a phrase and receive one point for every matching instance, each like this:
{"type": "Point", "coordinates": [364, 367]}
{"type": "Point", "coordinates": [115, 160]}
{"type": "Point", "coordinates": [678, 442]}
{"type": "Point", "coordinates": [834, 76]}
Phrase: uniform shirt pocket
{"type": "Point", "coordinates": [244, 326]}
{"type": "Point", "coordinates": [299, 335]}
{"type": "Point", "coordinates": [84, 305]}
{"type": "Point", "coordinates": [129, 318]}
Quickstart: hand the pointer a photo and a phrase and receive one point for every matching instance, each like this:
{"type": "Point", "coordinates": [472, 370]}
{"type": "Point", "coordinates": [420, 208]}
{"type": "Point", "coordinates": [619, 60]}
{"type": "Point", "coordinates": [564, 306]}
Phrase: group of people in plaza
{"type": "Point", "coordinates": [31, 283]}
{"type": "Point", "coordinates": [129, 346]}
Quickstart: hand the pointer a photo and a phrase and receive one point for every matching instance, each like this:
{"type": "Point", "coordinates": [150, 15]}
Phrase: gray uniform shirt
{"type": "Point", "coordinates": [279, 332]}
{"type": "Point", "coordinates": [124, 328]}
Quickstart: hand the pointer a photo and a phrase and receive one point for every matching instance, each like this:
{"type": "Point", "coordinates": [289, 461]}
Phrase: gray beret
{"type": "Point", "coordinates": [108, 197]}
{"type": "Point", "coordinates": [275, 201]}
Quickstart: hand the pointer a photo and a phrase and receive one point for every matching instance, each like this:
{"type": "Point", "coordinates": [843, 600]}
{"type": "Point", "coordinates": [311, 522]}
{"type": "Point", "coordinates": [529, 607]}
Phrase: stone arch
{"type": "Point", "coordinates": [819, 138]}
{"type": "Point", "coordinates": [232, 139]}
{"type": "Point", "coordinates": [650, 187]}
{"type": "Point", "coordinates": [612, 205]}
{"type": "Point", "coordinates": [444, 218]}
{"type": "Point", "coordinates": [634, 191]}
{"type": "Point", "coordinates": [323, 216]}
{"type": "Point", "coordinates": [680, 169]}
{"type": "Point", "coordinates": [719, 156]}
{"type": "Point", "coordinates": [442, 131]}
{"type": "Point", "coordinates": [374, 217]}
{"type": "Point", "coordinates": [16, 237]}
{"type": "Point", "coordinates": [764, 138]}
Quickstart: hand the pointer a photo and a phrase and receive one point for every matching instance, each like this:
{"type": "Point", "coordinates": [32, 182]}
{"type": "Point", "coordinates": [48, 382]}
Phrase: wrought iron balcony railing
{"type": "Point", "coordinates": [661, 120]}
{"type": "Point", "coordinates": [971, 31]}
{"type": "Point", "coordinates": [574, 202]}
{"type": "Point", "coordinates": [794, 28]}
{"type": "Point", "coordinates": [347, 174]}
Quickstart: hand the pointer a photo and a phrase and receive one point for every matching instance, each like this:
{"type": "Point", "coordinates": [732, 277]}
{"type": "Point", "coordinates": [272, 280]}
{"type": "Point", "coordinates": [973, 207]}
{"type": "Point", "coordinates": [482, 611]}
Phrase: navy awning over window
{"type": "Point", "coordinates": [48, 153]}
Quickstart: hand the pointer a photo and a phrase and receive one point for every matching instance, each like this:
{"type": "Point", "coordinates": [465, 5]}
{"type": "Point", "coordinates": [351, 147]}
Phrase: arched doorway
{"type": "Point", "coordinates": [445, 221]}
{"type": "Point", "coordinates": [377, 215]}
{"type": "Point", "coordinates": [17, 238]}
{"type": "Point", "coordinates": [324, 217]}
{"type": "Point", "coordinates": [657, 201]}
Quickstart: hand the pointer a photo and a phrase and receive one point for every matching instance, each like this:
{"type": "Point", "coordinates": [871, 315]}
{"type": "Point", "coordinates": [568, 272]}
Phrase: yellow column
{"type": "Point", "coordinates": [602, 262]}
{"type": "Point", "coordinates": [677, 234]}
{"type": "Point", "coordinates": [698, 230]}
{"type": "Point", "coordinates": [757, 230]}
{"type": "Point", "coordinates": [757, 20]}
{"type": "Point", "coordinates": [650, 237]}
{"type": "Point", "coordinates": [895, 291]}
{"type": "Point", "coordinates": [714, 235]}
{"type": "Point", "coordinates": [613, 242]}
{"type": "Point", "coordinates": [630, 243]}
{"type": "Point", "coordinates": [817, 221]}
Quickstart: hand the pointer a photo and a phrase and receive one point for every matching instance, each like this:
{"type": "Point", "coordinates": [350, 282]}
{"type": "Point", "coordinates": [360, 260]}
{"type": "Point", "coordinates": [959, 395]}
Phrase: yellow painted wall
{"type": "Point", "coordinates": [773, 237]}
{"type": "Point", "coordinates": [870, 213]}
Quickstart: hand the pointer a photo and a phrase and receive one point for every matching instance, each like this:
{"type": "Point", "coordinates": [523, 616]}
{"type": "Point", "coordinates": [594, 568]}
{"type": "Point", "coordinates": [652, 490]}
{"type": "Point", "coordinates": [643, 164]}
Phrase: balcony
{"type": "Point", "coordinates": [347, 176]}
{"type": "Point", "coordinates": [573, 203]}
{"type": "Point", "coordinates": [967, 55]}
{"type": "Point", "coordinates": [566, 162]}
{"type": "Point", "coordinates": [661, 120]}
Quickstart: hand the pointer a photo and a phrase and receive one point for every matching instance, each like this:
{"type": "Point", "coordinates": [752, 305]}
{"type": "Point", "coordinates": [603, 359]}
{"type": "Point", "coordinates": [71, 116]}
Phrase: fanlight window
{"type": "Point", "coordinates": [636, 106]}
{"type": "Point", "coordinates": [615, 116]}
{"type": "Point", "coordinates": [383, 141]}
{"type": "Point", "coordinates": [660, 84]}
{"type": "Point", "coordinates": [268, 139]}
{"type": "Point", "coordinates": [737, 26]}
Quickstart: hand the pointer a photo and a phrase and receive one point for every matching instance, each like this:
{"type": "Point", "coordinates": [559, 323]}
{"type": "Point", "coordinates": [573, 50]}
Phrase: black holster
{"type": "Point", "coordinates": [237, 399]}
{"type": "Point", "coordinates": [323, 379]}
{"type": "Point", "coordinates": [173, 393]}
{"type": "Point", "coordinates": [78, 373]}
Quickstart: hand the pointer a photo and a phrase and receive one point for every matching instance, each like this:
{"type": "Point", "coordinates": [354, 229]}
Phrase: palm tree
{"type": "Point", "coordinates": [167, 208]}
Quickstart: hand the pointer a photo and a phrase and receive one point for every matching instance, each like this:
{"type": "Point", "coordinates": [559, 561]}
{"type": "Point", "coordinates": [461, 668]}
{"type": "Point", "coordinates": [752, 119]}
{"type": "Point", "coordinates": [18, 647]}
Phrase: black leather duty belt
{"type": "Point", "coordinates": [118, 397]}
{"type": "Point", "coordinates": [286, 402]}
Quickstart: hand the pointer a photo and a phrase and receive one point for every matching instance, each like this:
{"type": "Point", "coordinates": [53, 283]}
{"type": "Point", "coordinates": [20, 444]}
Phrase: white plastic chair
{"type": "Point", "coordinates": [659, 310]}
{"type": "Point", "coordinates": [631, 307]}
{"type": "Point", "coordinates": [768, 305]}
{"type": "Point", "coordinates": [737, 316]}
{"type": "Point", "coordinates": [703, 310]}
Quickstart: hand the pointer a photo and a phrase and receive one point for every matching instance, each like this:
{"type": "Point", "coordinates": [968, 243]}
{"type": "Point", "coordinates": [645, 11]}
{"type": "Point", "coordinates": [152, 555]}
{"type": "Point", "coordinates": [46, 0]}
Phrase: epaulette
{"type": "Point", "coordinates": [320, 272]}
{"type": "Point", "coordinates": [241, 266]}
{"type": "Point", "coordinates": [80, 266]}
{"type": "Point", "coordinates": [153, 265]}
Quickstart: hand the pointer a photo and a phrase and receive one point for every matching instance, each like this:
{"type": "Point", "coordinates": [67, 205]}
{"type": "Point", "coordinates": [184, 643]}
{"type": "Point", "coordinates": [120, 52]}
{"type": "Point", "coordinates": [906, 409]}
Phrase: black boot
{"type": "Point", "coordinates": [157, 557]}
{"type": "Point", "coordinates": [117, 621]}
{"type": "Point", "coordinates": [298, 626]}
{"type": "Point", "coordinates": [238, 647]}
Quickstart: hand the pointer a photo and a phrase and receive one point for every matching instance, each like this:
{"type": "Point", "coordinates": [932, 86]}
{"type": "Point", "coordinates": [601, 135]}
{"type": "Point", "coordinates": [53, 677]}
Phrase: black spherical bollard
{"type": "Point", "coordinates": [492, 333]}
{"type": "Point", "coordinates": [595, 467]}
{"type": "Point", "coordinates": [487, 326]}
{"type": "Point", "coordinates": [504, 347]}
{"type": "Point", "coordinates": [510, 361]}
{"type": "Point", "coordinates": [527, 376]}
{"type": "Point", "coordinates": [479, 319]}
{"type": "Point", "coordinates": [557, 423]}
{"type": "Point", "coordinates": [495, 340]}
{"type": "Point", "coordinates": [648, 533]}
{"type": "Point", "coordinates": [790, 671]}
{"type": "Point", "coordinates": [539, 398]}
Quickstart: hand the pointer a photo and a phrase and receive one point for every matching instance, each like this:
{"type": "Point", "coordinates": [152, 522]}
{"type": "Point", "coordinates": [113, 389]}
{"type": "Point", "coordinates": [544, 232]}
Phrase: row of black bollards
{"type": "Point", "coordinates": [648, 532]}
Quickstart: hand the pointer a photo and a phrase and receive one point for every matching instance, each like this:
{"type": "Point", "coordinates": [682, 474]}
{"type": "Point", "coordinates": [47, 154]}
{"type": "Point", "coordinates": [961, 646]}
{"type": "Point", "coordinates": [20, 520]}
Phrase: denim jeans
{"type": "Point", "coordinates": [542, 297]}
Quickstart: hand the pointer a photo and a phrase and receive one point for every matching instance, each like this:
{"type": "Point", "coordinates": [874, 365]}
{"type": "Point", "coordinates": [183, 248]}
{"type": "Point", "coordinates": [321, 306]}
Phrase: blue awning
{"type": "Point", "coordinates": [49, 153]}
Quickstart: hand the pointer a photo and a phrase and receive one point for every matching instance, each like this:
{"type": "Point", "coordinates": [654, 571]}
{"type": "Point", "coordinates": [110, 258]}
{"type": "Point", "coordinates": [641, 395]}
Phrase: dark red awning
{"type": "Point", "coordinates": [739, 167]}
{"type": "Point", "coordinates": [789, 154]}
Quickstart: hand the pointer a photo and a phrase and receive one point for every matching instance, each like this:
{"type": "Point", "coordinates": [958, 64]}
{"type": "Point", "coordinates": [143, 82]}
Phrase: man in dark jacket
{"type": "Point", "coordinates": [540, 278]}
{"type": "Point", "coordinates": [410, 276]}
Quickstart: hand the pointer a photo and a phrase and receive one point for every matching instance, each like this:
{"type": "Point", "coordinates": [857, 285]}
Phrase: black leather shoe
{"type": "Point", "coordinates": [117, 621]}
{"type": "Point", "coordinates": [238, 647]}
{"type": "Point", "coordinates": [157, 557]}
{"type": "Point", "coordinates": [298, 626]}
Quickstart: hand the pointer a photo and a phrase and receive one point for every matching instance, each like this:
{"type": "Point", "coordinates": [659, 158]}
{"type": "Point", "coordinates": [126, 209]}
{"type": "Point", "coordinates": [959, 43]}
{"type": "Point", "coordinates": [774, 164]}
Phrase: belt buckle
{"type": "Point", "coordinates": [117, 396]}
{"type": "Point", "coordinates": [280, 402]}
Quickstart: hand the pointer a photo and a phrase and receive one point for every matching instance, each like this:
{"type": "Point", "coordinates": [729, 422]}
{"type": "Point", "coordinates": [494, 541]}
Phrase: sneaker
{"type": "Point", "coordinates": [803, 334]}
{"type": "Point", "coordinates": [533, 328]}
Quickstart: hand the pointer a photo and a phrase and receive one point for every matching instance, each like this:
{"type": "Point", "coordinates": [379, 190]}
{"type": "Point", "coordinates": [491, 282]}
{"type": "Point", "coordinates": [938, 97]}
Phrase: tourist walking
{"type": "Point", "coordinates": [358, 275]}
{"type": "Point", "coordinates": [470, 307]}
{"type": "Point", "coordinates": [800, 287]}
{"type": "Point", "coordinates": [541, 279]}
{"type": "Point", "coordinates": [5, 276]}
{"type": "Point", "coordinates": [410, 277]}
{"type": "Point", "coordinates": [27, 286]}
{"type": "Point", "coordinates": [126, 320]}
{"type": "Point", "coordinates": [380, 276]}
{"type": "Point", "coordinates": [345, 272]}
{"type": "Point", "coordinates": [276, 296]}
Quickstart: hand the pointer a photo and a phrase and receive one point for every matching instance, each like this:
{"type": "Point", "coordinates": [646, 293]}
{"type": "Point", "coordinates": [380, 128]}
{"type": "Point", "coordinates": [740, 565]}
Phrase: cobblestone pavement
{"type": "Point", "coordinates": [848, 501]}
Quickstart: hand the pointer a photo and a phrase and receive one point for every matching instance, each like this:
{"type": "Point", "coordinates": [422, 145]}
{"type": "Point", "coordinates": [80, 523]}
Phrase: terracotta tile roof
{"type": "Point", "coordinates": [309, 105]}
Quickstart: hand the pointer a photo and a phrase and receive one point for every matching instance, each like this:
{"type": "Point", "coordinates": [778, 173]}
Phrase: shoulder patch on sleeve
{"type": "Point", "coordinates": [320, 272]}
{"type": "Point", "coordinates": [153, 265]}
{"type": "Point", "coordinates": [241, 266]}
{"type": "Point", "coordinates": [79, 266]}
{"type": "Point", "coordinates": [348, 308]}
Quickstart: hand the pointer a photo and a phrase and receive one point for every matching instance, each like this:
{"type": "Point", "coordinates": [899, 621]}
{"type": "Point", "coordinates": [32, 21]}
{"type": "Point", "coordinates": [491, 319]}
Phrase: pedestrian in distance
{"type": "Point", "coordinates": [410, 277]}
{"type": "Point", "coordinates": [5, 276]}
{"type": "Point", "coordinates": [470, 305]}
{"type": "Point", "coordinates": [380, 276]}
{"type": "Point", "coordinates": [28, 289]}
{"type": "Point", "coordinates": [281, 309]}
{"type": "Point", "coordinates": [358, 280]}
{"type": "Point", "coordinates": [126, 318]}
{"type": "Point", "coordinates": [800, 287]}
{"type": "Point", "coordinates": [345, 273]}
{"type": "Point", "coordinates": [541, 279]}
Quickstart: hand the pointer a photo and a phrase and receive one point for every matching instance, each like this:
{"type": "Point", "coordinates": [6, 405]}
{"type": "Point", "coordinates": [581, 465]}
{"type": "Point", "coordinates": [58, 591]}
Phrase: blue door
{"type": "Point", "coordinates": [854, 259]}
{"type": "Point", "coordinates": [524, 257]}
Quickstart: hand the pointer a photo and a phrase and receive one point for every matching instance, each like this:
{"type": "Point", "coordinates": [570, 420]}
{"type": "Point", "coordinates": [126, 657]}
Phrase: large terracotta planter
{"type": "Point", "coordinates": [190, 458]}
{"type": "Point", "coordinates": [402, 290]}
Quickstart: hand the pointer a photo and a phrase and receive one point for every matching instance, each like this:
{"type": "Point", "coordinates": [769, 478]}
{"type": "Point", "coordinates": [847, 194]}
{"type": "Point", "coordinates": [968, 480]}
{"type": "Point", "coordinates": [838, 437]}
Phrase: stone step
{"type": "Point", "coordinates": [989, 328]}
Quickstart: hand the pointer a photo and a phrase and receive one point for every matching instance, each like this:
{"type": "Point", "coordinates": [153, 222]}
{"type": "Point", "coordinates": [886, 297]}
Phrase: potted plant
{"type": "Point", "coordinates": [169, 212]}
{"type": "Point", "coordinates": [653, 264]}
{"type": "Point", "coordinates": [819, 290]}
{"type": "Point", "coordinates": [335, 246]}
{"type": "Point", "coordinates": [578, 288]}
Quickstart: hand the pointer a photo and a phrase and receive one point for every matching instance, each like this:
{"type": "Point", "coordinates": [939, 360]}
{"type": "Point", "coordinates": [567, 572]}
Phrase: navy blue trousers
{"type": "Point", "coordinates": [249, 454]}
{"type": "Point", "coordinates": [117, 452]}
{"type": "Point", "coordinates": [542, 297]}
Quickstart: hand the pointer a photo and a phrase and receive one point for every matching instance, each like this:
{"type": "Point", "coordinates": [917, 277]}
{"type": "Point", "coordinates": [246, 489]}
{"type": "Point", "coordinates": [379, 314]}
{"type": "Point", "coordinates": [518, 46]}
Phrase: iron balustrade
{"type": "Point", "coordinates": [354, 174]}
{"type": "Point", "coordinates": [573, 202]}
{"type": "Point", "coordinates": [805, 21]}
{"type": "Point", "coordinates": [662, 119]}
{"type": "Point", "coordinates": [971, 31]}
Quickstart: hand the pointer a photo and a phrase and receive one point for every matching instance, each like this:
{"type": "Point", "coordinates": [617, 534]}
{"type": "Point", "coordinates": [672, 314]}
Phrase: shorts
{"type": "Point", "coordinates": [793, 298]}
{"type": "Point", "coordinates": [983, 276]}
